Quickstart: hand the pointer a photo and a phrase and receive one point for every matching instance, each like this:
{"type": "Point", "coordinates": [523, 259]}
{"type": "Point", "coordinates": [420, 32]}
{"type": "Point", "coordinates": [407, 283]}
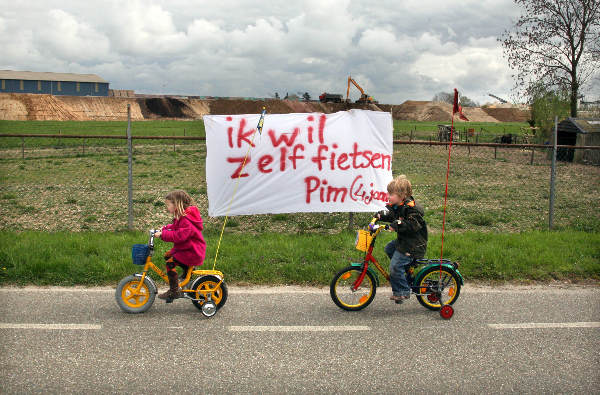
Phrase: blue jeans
{"type": "Point", "coordinates": [398, 263]}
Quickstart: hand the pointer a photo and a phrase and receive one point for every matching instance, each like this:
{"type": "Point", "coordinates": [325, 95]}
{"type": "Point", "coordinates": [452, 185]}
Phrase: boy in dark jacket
{"type": "Point", "coordinates": [406, 218]}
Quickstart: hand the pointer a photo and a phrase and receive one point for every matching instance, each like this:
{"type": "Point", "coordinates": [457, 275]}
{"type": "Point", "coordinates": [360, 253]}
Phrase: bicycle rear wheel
{"type": "Point", "coordinates": [429, 284]}
{"type": "Point", "coordinates": [205, 283]}
{"type": "Point", "coordinates": [343, 294]}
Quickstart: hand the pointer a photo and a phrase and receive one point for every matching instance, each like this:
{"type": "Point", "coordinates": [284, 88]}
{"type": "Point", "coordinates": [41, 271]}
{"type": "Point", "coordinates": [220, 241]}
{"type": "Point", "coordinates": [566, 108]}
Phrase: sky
{"type": "Point", "coordinates": [396, 50]}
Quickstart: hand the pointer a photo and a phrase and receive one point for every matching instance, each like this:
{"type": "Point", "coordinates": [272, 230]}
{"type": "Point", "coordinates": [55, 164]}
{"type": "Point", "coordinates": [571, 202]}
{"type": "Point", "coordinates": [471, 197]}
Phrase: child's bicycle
{"type": "Point", "coordinates": [353, 288]}
{"type": "Point", "coordinates": [136, 293]}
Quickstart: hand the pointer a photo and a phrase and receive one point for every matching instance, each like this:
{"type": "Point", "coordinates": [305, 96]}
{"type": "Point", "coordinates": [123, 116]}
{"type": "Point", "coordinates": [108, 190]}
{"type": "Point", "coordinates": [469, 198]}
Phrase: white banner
{"type": "Point", "coordinates": [306, 162]}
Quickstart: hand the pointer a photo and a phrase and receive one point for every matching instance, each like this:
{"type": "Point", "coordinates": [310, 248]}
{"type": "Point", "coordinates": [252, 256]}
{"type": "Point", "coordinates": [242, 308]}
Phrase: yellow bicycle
{"type": "Point", "coordinates": [136, 293]}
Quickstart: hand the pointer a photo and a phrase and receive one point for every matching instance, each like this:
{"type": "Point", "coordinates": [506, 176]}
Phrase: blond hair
{"type": "Point", "coordinates": [400, 186]}
{"type": "Point", "coordinates": [181, 200]}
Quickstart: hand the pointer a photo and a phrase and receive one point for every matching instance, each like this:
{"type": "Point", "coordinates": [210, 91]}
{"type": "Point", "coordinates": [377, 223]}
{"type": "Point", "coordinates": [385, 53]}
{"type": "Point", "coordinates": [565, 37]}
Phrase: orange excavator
{"type": "Point", "coordinates": [364, 98]}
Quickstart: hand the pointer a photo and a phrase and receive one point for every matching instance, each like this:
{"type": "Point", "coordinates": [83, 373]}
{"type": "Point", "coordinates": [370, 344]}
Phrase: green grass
{"type": "Point", "coordinates": [497, 213]}
{"type": "Point", "coordinates": [484, 131]}
{"type": "Point", "coordinates": [485, 194]}
{"type": "Point", "coordinates": [90, 258]}
{"type": "Point", "coordinates": [90, 128]}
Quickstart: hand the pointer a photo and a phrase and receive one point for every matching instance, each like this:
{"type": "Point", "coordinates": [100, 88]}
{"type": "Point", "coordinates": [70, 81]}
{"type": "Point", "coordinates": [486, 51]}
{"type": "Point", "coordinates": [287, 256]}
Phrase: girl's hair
{"type": "Point", "coordinates": [181, 200]}
{"type": "Point", "coordinates": [400, 186]}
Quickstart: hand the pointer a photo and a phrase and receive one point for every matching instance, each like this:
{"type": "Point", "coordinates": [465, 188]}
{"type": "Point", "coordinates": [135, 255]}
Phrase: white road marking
{"type": "Point", "coordinates": [51, 326]}
{"type": "Point", "coordinates": [298, 328]}
{"type": "Point", "coordinates": [543, 325]}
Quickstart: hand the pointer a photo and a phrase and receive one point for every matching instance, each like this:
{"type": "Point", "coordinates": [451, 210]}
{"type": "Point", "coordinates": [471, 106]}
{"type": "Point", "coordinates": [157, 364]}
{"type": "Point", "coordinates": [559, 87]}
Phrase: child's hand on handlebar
{"type": "Point", "coordinates": [157, 233]}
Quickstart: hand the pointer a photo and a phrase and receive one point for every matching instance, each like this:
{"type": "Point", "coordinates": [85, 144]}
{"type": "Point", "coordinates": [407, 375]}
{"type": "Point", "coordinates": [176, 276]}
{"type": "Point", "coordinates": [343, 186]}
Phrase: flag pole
{"type": "Point", "coordinates": [446, 191]}
{"type": "Point", "coordinates": [455, 108]}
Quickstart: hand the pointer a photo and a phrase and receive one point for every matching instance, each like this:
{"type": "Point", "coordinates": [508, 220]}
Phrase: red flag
{"type": "Point", "coordinates": [457, 108]}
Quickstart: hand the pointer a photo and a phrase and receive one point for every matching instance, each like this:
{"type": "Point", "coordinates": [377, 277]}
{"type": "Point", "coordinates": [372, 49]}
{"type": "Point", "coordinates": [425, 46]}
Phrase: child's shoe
{"type": "Point", "coordinates": [400, 298]}
{"type": "Point", "coordinates": [174, 291]}
{"type": "Point", "coordinates": [170, 295]}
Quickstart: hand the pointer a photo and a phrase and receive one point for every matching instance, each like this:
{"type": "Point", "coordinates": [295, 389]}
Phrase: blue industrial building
{"type": "Point", "coordinates": [65, 84]}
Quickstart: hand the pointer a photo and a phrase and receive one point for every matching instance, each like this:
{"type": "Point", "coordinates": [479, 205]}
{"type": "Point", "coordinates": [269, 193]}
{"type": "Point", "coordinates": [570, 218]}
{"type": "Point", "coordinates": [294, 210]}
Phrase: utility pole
{"type": "Point", "coordinates": [553, 174]}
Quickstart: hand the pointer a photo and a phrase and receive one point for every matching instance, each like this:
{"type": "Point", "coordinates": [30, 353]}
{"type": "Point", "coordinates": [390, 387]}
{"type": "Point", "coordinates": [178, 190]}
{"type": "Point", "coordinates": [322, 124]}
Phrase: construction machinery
{"type": "Point", "coordinates": [501, 100]}
{"type": "Point", "coordinates": [364, 98]}
{"type": "Point", "coordinates": [330, 98]}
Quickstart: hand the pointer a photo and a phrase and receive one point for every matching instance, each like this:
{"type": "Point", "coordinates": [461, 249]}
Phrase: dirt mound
{"type": "Point", "coordinates": [34, 107]}
{"type": "Point", "coordinates": [475, 114]}
{"type": "Point", "coordinates": [297, 106]}
{"type": "Point", "coordinates": [101, 108]}
{"type": "Point", "coordinates": [229, 107]}
{"type": "Point", "coordinates": [12, 109]}
{"type": "Point", "coordinates": [511, 114]}
{"type": "Point", "coordinates": [47, 107]}
{"type": "Point", "coordinates": [165, 107]}
{"type": "Point", "coordinates": [65, 108]}
{"type": "Point", "coordinates": [435, 113]}
{"type": "Point", "coordinates": [412, 110]}
{"type": "Point", "coordinates": [200, 107]}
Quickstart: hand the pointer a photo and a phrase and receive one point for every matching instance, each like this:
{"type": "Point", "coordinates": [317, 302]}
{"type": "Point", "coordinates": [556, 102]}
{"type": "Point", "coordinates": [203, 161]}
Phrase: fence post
{"type": "Point", "coordinates": [173, 141]}
{"type": "Point", "coordinates": [23, 147]}
{"type": "Point", "coordinates": [129, 171]}
{"type": "Point", "coordinates": [351, 220]}
{"type": "Point", "coordinates": [495, 152]}
{"type": "Point", "coordinates": [553, 175]}
{"type": "Point", "coordinates": [411, 134]}
{"type": "Point", "coordinates": [532, 151]}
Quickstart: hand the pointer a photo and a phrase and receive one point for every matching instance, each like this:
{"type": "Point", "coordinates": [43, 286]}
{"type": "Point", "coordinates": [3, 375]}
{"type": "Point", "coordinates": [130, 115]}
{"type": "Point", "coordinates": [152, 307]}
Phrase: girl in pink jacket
{"type": "Point", "coordinates": [185, 233]}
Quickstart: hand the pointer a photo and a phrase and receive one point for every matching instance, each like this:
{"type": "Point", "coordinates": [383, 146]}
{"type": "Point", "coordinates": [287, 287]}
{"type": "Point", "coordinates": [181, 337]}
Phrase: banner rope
{"type": "Point", "coordinates": [237, 182]}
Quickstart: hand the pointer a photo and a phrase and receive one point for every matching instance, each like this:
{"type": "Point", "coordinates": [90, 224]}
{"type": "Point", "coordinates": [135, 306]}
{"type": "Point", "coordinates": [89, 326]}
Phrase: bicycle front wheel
{"type": "Point", "coordinates": [134, 296]}
{"type": "Point", "coordinates": [343, 294]}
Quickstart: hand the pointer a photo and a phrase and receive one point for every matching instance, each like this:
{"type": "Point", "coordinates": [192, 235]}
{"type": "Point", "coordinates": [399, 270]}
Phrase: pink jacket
{"type": "Point", "coordinates": [185, 233]}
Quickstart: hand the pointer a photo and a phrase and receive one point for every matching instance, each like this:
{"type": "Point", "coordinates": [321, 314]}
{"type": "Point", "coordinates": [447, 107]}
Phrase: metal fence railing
{"type": "Point", "coordinates": [493, 186]}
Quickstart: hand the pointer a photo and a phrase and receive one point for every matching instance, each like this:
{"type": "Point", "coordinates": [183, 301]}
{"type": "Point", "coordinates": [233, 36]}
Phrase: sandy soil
{"type": "Point", "coordinates": [62, 108]}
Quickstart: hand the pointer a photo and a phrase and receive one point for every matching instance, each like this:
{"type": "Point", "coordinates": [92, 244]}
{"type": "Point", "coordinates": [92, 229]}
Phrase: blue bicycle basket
{"type": "Point", "coordinates": [139, 253]}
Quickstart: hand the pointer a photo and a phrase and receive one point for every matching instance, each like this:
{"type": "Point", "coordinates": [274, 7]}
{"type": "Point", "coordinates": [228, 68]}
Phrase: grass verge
{"type": "Point", "coordinates": [91, 258]}
{"type": "Point", "coordinates": [485, 131]}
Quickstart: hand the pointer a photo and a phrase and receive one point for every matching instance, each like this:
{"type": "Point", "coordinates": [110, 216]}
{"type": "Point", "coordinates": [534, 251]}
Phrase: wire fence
{"type": "Point", "coordinates": [53, 145]}
{"type": "Point", "coordinates": [493, 186]}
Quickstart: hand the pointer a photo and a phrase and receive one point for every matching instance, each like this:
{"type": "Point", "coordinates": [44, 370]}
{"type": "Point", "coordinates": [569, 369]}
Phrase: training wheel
{"type": "Point", "coordinates": [446, 312]}
{"type": "Point", "coordinates": [209, 308]}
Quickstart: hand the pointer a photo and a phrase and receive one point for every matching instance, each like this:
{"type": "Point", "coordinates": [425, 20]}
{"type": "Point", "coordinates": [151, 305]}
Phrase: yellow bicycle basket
{"type": "Point", "coordinates": [363, 240]}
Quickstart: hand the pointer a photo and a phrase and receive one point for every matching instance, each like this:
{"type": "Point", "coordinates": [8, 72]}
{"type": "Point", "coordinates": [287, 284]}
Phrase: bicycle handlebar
{"type": "Point", "coordinates": [151, 241]}
{"type": "Point", "coordinates": [373, 227]}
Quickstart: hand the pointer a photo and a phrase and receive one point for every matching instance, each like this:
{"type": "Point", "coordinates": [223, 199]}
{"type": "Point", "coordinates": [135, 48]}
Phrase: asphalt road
{"type": "Point", "coordinates": [275, 340]}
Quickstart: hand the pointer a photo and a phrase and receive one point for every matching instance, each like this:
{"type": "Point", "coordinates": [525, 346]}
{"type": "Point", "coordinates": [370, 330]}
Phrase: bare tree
{"type": "Point", "coordinates": [466, 102]}
{"type": "Point", "coordinates": [556, 43]}
{"type": "Point", "coordinates": [444, 97]}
